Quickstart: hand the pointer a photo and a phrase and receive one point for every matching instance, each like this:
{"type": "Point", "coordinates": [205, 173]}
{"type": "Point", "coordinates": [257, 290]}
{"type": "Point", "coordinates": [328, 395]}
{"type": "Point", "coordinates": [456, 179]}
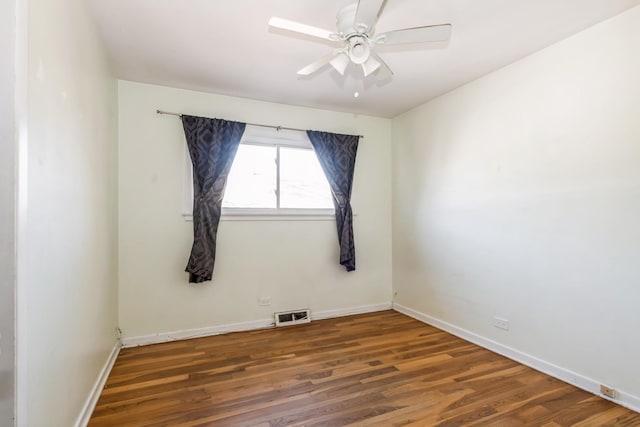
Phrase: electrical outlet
{"type": "Point", "coordinates": [608, 391]}
{"type": "Point", "coordinates": [264, 301]}
{"type": "Point", "coordinates": [501, 323]}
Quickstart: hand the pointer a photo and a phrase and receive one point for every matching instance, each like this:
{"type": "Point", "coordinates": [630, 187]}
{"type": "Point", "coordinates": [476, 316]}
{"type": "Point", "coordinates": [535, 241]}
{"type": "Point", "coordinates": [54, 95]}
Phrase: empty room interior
{"type": "Point", "coordinates": [320, 213]}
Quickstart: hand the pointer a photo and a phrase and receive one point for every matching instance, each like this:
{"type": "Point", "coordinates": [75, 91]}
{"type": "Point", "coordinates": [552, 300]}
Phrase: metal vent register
{"type": "Point", "coordinates": [294, 317]}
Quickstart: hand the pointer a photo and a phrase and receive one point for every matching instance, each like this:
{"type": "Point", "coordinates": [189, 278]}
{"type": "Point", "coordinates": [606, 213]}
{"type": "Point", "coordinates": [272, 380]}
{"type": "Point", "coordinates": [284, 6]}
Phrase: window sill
{"type": "Point", "coordinates": [274, 215]}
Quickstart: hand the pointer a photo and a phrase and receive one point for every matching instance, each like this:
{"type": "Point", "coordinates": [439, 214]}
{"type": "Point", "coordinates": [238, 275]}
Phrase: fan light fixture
{"type": "Point", "coordinates": [356, 30]}
{"type": "Point", "coordinates": [370, 66]}
{"type": "Point", "coordinates": [359, 49]}
{"type": "Point", "coordinates": [340, 63]}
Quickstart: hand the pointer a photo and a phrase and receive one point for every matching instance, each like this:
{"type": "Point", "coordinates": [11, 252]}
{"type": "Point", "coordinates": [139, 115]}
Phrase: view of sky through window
{"type": "Point", "coordinates": [303, 184]}
{"type": "Point", "coordinates": [253, 179]}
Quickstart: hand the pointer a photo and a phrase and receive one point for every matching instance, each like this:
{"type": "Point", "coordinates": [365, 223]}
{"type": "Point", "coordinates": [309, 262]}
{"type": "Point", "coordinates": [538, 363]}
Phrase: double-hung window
{"type": "Point", "coordinates": [275, 173]}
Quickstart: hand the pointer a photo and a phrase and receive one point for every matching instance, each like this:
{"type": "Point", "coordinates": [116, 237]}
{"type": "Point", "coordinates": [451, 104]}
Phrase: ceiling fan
{"type": "Point", "coordinates": [356, 32]}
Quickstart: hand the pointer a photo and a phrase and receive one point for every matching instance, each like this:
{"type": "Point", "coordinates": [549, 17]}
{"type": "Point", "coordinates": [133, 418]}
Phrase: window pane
{"type": "Point", "coordinates": [252, 180]}
{"type": "Point", "coordinates": [302, 182]}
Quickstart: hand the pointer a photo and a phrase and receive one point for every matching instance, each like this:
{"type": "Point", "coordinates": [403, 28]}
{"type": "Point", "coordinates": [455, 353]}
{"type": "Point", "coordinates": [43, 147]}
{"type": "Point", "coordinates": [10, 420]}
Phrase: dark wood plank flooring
{"type": "Point", "coordinates": [378, 369]}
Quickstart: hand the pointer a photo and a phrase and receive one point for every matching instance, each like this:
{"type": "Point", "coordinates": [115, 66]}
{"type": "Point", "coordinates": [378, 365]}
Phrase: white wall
{"type": "Point", "coordinates": [293, 262]}
{"type": "Point", "coordinates": [518, 195]}
{"type": "Point", "coordinates": [67, 275]}
{"type": "Point", "coordinates": [7, 209]}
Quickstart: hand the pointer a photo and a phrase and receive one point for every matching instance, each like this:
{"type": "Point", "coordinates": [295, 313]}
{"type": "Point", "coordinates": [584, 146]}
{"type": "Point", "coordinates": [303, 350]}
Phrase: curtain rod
{"type": "Point", "coordinates": [252, 124]}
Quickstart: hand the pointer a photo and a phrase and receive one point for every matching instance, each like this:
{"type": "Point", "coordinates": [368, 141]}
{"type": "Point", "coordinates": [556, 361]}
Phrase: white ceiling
{"type": "Point", "coordinates": [226, 47]}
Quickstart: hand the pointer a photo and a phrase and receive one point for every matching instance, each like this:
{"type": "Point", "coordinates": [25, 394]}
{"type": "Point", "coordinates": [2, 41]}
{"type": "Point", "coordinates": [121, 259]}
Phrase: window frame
{"type": "Point", "coordinates": [271, 137]}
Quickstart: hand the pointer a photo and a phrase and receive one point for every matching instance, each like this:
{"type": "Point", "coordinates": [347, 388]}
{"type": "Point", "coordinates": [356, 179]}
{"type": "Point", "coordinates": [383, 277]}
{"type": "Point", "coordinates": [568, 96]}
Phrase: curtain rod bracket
{"type": "Point", "coordinates": [169, 113]}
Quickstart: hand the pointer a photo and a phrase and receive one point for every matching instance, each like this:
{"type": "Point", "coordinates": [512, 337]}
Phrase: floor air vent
{"type": "Point", "coordinates": [295, 317]}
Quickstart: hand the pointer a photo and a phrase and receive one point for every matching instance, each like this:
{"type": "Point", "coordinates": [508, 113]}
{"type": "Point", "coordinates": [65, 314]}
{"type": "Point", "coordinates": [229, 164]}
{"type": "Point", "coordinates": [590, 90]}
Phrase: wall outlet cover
{"type": "Point", "coordinates": [501, 323]}
{"type": "Point", "coordinates": [264, 301]}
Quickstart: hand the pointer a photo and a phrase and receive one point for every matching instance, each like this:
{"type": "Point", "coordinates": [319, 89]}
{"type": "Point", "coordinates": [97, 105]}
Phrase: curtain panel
{"type": "Point", "coordinates": [337, 156]}
{"type": "Point", "coordinates": [212, 144]}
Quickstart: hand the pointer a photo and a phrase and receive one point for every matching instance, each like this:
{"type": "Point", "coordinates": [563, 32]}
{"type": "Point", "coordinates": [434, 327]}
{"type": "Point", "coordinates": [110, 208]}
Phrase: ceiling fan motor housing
{"type": "Point", "coordinates": [358, 46]}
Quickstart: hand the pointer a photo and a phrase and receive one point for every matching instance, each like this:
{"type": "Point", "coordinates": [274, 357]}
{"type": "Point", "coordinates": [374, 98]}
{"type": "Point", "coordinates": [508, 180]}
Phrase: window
{"type": "Point", "coordinates": [275, 173]}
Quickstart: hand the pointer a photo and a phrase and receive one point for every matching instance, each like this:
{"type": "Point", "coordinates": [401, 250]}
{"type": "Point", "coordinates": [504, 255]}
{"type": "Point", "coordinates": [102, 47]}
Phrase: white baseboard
{"type": "Point", "coordinates": [92, 399]}
{"type": "Point", "coordinates": [588, 384]}
{"type": "Point", "coordinates": [328, 314]}
{"type": "Point", "coordinates": [161, 337]}
{"type": "Point", "coordinates": [242, 326]}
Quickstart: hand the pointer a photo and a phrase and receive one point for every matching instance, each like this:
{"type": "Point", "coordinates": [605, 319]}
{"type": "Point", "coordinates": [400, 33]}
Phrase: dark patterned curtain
{"type": "Point", "coordinates": [213, 144]}
{"type": "Point", "coordinates": [337, 156]}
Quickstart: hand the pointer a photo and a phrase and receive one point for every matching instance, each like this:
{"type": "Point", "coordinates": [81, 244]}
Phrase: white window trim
{"type": "Point", "coordinates": [268, 215]}
{"type": "Point", "coordinates": [256, 135]}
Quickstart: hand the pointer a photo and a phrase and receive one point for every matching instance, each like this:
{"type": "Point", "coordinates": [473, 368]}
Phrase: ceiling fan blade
{"type": "Point", "coordinates": [432, 33]}
{"type": "Point", "coordinates": [297, 27]}
{"type": "Point", "coordinates": [367, 15]}
{"type": "Point", "coordinates": [315, 66]}
{"type": "Point", "coordinates": [383, 70]}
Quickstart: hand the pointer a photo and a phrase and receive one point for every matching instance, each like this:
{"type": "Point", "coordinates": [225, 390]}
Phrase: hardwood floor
{"type": "Point", "coordinates": [379, 369]}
